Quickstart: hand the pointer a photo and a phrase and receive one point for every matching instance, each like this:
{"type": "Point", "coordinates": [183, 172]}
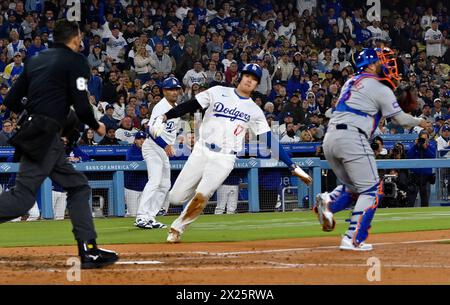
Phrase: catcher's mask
{"type": "Point", "coordinates": [389, 66]}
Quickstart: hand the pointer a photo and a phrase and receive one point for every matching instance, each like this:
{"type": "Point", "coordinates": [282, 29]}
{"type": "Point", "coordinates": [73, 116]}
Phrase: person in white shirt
{"type": "Point", "coordinates": [226, 62]}
{"type": "Point", "coordinates": [303, 5]}
{"type": "Point", "coordinates": [286, 29]}
{"type": "Point", "coordinates": [443, 141]}
{"type": "Point", "coordinates": [377, 32]}
{"type": "Point", "coordinates": [182, 11]}
{"type": "Point", "coordinates": [345, 21]}
{"type": "Point", "coordinates": [115, 46]}
{"type": "Point", "coordinates": [126, 132]}
{"type": "Point", "coordinates": [195, 75]}
{"type": "Point", "coordinates": [434, 40]}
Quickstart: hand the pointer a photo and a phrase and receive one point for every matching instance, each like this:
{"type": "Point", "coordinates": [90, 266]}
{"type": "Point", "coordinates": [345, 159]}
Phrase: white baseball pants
{"type": "Point", "coordinates": [132, 201]}
{"type": "Point", "coordinates": [203, 173]}
{"type": "Point", "coordinates": [156, 190]}
{"type": "Point", "coordinates": [227, 198]}
{"type": "Point", "coordinates": [59, 203]}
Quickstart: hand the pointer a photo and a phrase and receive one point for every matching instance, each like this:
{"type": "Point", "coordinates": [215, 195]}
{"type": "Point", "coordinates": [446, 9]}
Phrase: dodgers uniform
{"type": "Point", "coordinates": [221, 136]}
{"type": "Point", "coordinates": [155, 194]}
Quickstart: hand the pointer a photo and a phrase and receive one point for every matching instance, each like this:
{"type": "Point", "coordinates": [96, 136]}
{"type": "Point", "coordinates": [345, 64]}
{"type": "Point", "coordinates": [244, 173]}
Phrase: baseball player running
{"type": "Point", "coordinates": [364, 100]}
{"type": "Point", "coordinates": [230, 112]}
{"type": "Point", "coordinates": [156, 152]}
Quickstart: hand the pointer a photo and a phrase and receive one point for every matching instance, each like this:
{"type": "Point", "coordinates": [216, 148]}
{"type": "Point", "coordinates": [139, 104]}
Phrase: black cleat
{"type": "Point", "coordinates": [93, 257]}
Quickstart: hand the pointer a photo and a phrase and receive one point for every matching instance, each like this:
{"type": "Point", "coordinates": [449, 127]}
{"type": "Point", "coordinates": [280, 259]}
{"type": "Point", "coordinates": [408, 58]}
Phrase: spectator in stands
{"type": "Point", "coordinates": [110, 137]}
{"type": "Point", "coordinates": [162, 62]}
{"type": "Point", "coordinates": [95, 85]}
{"type": "Point", "coordinates": [13, 70]}
{"type": "Point", "coordinates": [426, 113]}
{"type": "Point", "coordinates": [381, 128]}
{"type": "Point", "coordinates": [87, 138]}
{"type": "Point", "coordinates": [119, 108]}
{"type": "Point", "coordinates": [290, 135]}
{"type": "Point", "coordinates": [421, 177]}
{"type": "Point", "coordinates": [193, 40]}
{"type": "Point", "coordinates": [438, 110]}
{"type": "Point", "coordinates": [305, 136]}
{"type": "Point", "coordinates": [443, 141]}
{"type": "Point", "coordinates": [97, 108]}
{"type": "Point", "coordinates": [109, 89]}
{"type": "Point", "coordinates": [108, 118]}
{"type": "Point", "coordinates": [15, 45]}
{"type": "Point", "coordinates": [434, 40]}
{"type": "Point", "coordinates": [115, 45]}
{"type": "Point", "coordinates": [126, 131]}
{"type": "Point", "coordinates": [284, 68]}
{"type": "Point", "coordinates": [134, 181]}
{"type": "Point", "coordinates": [195, 75]}
{"type": "Point", "coordinates": [231, 74]}
{"type": "Point", "coordinates": [36, 47]}
{"type": "Point", "coordinates": [6, 133]}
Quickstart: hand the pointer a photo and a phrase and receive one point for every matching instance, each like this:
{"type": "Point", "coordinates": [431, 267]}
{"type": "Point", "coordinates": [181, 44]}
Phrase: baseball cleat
{"type": "Point", "coordinates": [157, 225]}
{"type": "Point", "coordinates": [347, 244]}
{"type": "Point", "coordinates": [324, 215]}
{"type": "Point", "coordinates": [174, 236]}
{"type": "Point", "coordinates": [143, 224]}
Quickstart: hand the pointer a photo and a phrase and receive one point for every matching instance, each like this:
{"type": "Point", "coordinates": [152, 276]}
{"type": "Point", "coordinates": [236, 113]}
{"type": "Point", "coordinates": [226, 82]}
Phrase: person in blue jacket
{"type": "Point", "coordinates": [135, 181]}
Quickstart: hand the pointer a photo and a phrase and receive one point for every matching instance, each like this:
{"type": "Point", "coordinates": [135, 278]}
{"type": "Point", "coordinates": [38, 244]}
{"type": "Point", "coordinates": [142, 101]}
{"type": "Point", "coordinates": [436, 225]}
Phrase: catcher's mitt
{"type": "Point", "coordinates": [406, 98]}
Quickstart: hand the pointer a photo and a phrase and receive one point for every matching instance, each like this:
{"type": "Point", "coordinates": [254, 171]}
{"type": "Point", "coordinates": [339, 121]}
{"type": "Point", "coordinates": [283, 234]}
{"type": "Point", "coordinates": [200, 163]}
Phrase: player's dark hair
{"type": "Point", "coordinates": [65, 30]}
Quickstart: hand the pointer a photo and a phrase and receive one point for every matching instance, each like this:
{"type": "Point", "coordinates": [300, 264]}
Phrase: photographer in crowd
{"type": "Point", "coordinates": [421, 178]}
{"type": "Point", "coordinates": [395, 181]}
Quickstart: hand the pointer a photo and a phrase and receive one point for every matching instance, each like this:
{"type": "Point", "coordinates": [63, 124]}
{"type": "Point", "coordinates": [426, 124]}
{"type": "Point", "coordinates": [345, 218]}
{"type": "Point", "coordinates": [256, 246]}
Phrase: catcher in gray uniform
{"type": "Point", "coordinates": [364, 100]}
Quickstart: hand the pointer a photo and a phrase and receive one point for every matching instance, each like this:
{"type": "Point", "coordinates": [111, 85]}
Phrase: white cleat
{"type": "Point", "coordinates": [347, 244]}
{"type": "Point", "coordinates": [174, 236]}
{"type": "Point", "coordinates": [324, 215]}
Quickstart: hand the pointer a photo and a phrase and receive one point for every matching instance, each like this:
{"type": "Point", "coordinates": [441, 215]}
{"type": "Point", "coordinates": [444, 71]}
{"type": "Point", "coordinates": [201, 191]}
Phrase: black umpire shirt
{"type": "Point", "coordinates": [53, 81]}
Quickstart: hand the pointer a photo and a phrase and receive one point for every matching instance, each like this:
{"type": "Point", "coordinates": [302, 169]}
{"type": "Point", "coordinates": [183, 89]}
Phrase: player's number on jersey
{"type": "Point", "coordinates": [81, 84]}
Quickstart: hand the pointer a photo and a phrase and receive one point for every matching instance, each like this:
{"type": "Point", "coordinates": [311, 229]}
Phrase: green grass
{"type": "Point", "coordinates": [217, 228]}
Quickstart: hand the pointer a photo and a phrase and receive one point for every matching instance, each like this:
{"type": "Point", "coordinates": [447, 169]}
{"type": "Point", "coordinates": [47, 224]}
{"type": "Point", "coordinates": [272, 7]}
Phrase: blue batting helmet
{"type": "Point", "coordinates": [253, 69]}
{"type": "Point", "coordinates": [365, 58]}
{"type": "Point", "coordinates": [171, 83]}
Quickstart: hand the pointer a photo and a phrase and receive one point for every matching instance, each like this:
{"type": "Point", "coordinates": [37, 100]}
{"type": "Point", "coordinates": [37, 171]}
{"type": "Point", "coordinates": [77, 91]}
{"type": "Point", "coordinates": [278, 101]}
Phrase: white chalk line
{"type": "Point", "coordinates": [284, 250]}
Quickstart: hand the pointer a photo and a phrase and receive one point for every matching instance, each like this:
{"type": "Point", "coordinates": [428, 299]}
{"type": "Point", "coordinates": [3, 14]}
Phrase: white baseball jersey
{"type": "Point", "coordinates": [114, 45]}
{"type": "Point", "coordinates": [369, 101]}
{"type": "Point", "coordinates": [436, 48]}
{"type": "Point", "coordinates": [169, 133]}
{"type": "Point", "coordinates": [228, 117]}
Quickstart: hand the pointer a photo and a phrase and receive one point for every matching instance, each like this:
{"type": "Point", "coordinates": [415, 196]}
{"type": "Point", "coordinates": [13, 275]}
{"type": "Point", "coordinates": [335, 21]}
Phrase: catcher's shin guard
{"type": "Point", "coordinates": [370, 200]}
{"type": "Point", "coordinates": [340, 199]}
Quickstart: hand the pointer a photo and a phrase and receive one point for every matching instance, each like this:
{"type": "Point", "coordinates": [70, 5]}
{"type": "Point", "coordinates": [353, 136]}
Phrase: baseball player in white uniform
{"type": "Point", "coordinates": [364, 100]}
{"type": "Point", "coordinates": [230, 112]}
{"type": "Point", "coordinates": [156, 151]}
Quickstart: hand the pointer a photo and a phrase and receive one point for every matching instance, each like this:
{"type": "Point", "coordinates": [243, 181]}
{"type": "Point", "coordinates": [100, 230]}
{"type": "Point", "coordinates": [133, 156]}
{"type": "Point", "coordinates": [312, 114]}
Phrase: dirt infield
{"type": "Point", "coordinates": [406, 258]}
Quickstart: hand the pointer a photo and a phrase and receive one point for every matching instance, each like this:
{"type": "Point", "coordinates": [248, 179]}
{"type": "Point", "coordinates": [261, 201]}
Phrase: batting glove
{"type": "Point", "coordinates": [301, 174]}
{"type": "Point", "coordinates": [158, 126]}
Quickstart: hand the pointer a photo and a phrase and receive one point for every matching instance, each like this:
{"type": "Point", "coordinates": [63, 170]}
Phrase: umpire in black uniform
{"type": "Point", "coordinates": [52, 82]}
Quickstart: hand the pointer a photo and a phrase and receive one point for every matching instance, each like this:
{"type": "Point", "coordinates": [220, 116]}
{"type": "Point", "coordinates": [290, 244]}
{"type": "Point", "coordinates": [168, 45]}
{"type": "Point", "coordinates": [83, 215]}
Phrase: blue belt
{"type": "Point", "coordinates": [216, 148]}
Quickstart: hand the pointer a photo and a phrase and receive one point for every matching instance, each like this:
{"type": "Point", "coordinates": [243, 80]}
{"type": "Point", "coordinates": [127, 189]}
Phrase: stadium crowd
{"type": "Point", "coordinates": [307, 50]}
